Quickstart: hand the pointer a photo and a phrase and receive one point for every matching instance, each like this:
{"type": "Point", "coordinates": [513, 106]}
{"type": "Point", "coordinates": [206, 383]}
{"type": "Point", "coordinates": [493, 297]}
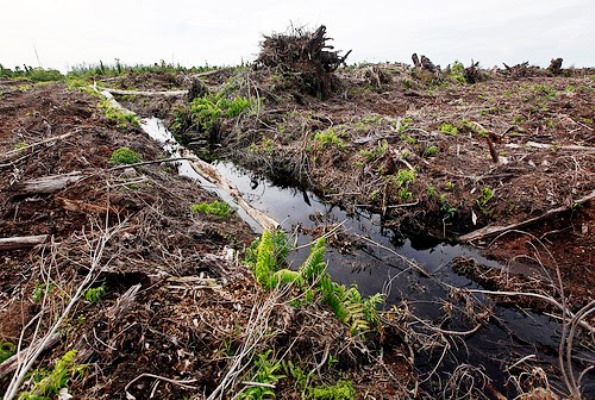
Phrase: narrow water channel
{"type": "Point", "coordinates": [511, 333]}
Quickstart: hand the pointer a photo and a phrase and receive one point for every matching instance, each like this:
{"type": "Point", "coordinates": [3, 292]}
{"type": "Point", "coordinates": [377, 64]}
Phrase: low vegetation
{"type": "Point", "coordinates": [217, 208]}
{"type": "Point", "coordinates": [124, 155]}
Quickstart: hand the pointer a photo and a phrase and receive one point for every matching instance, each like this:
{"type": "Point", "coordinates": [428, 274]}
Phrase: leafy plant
{"type": "Point", "coordinates": [404, 177]}
{"type": "Point", "coordinates": [124, 155]}
{"type": "Point", "coordinates": [328, 137]}
{"type": "Point", "coordinates": [7, 349]}
{"type": "Point", "coordinates": [265, 370]}
{"type": "Point", "coordinates": [457, 72]}
{"type": "Point", "coordinates": [347, 304]}
{"type": "Point", "coordinates": [46, 384]}
{"type": "Point", "coordinates": [218, 208]}
{"type": "Point", "coordinates": [431, 151]}
{"type": "Point", "coordinates": [449, 129]}
{"type": "Point", "coordinates": [205, 113]}
{"type": "Point", "coordinates": [116, 114]}
{"type": "Point", "coordinates": [40, 289]}
{"type": "Point", "coordinates": [342, 390]}
{"type": "Point", "coordinates": [94, 295]}
{"type": "Point", "coordinates": [487, 194]}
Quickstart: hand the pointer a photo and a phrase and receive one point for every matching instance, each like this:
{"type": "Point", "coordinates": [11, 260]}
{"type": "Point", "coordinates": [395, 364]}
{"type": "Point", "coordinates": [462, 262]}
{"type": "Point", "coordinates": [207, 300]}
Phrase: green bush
{"type": "Point", "coordinates": [218, 208]}
{"type": "Point", "coordinates": [94, 295]}
{"type": "Point", "coordinates": [118, 115]}
{"type": "Point", "coordinates": [124, 155]}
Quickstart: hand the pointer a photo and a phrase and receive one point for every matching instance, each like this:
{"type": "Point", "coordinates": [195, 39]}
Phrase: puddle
{"type": "Point", "coordinates": [496, 345]}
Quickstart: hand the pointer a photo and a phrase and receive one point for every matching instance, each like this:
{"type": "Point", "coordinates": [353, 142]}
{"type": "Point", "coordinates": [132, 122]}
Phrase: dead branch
{"type": "Point", "coordinates": [45, 141]}
{"type": "Point", "coordinates": [181, 383]}
{"type": "Point", "coordinates": [492, 230]}
{"type": "Point", "coordinates": [47, 184]}
{"type": "Point", "coordinates": [22, 242]}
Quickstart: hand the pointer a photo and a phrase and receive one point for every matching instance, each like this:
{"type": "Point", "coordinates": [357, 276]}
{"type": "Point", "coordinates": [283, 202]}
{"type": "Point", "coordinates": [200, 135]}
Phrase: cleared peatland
{"type": "Point", "coordinates": [157, 288]}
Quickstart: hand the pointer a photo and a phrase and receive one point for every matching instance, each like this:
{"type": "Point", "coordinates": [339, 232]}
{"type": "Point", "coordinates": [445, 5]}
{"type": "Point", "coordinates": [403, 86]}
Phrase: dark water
{"type": "Point", "coordinates": [511, 333]}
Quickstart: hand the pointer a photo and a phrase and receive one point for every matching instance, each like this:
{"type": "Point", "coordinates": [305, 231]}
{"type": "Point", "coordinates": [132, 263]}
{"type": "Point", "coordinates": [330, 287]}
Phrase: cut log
{"type": "Point", "coordinates": [21, 242]}
{"type": "Point", "coordinates": [167, 93]}
{"type": "Point", "coordinates": [47, 184]}
{"type": "Point", "coordinates": [494, 230]}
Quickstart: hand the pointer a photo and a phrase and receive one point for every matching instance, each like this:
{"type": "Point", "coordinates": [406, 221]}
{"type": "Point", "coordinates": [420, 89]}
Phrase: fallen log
{"type": "Point", "coordinates": [536, 145]}
{"type": "Point", "coordinates": [494, 230]}
{"type": "Point", "coordinates": [21, 242]}
{"type": "Point", "coordinates": [208, 172]}
{"type": "Point", "coordinates": [167, 93]}
{"type": "Point", "coordinates": [47, 184]}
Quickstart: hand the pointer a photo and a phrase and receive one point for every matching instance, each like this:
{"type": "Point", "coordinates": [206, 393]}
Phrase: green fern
{"type": "Point", "coordinates": [267, 253]}
{"type": "Point", "coordinates": [315, 265]}
{"type": "Point", "coordinates": [46, 383]}
{"type": "Point", "coordinates": [286, 276]}
{"type": "Point", "coordinates": [265, 260]}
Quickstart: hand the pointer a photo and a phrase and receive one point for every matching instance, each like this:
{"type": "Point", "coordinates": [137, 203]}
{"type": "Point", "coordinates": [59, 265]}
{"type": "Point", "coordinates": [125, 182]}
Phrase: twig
{"type": "Point", "coordinates": [48, 140]}
{"type": "Point", "coordinates": [181, 383]}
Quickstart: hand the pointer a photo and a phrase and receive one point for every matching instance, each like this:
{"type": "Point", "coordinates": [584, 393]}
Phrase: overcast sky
{"type": "Point", "coordinates": [69, 32]}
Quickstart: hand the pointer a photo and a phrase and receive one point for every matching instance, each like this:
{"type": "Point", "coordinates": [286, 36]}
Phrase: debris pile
{"type": "Point", "coordinates": [304, 56]}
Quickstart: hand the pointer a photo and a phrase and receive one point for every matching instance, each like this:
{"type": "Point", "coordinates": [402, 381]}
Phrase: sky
{"type": "Point", "coordinates": [64, 33]}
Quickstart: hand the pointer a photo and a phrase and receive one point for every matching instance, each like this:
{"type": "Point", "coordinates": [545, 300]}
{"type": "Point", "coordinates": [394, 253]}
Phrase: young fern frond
{"type": "Point", "coordinates": [315, 265]}
{"type": "Point", "coordinates": [265, 260]}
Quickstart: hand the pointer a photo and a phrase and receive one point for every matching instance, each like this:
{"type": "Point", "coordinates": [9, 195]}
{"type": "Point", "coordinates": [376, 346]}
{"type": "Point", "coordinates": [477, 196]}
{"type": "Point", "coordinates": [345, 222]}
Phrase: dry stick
{"type": "Point", "coordinates": [496, 230]}
{"type": "Point", "coordinates": [21, 242]}
{"type": "Point", "coordinates": [32, 356]}
{"type": "Point", "coordinates": [547, 299]}
{"type": "Point", "coordinates": [181, 383]}
{"type": "Point", "coordinates": [48, 140]}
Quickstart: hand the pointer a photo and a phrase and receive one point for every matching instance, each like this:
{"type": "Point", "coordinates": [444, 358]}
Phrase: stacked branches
{"type": "Point", "coordinates": [304, 56]}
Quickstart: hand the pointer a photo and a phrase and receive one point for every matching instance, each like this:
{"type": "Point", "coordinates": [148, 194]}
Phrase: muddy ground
{"type": "Point", "coordinates": [176, 304]}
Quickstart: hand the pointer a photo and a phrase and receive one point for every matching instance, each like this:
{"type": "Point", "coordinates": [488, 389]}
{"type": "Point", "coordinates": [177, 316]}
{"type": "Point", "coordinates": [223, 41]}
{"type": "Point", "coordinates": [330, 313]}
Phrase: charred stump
{"type": "Point", "coordinates": [555, 67]}
{"type": "Point", "coordinates": [305, 57]}
{"type": "Point", "coordinates": [472, 73]}
{"type": "Point", "coordinates": [197, 90]}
